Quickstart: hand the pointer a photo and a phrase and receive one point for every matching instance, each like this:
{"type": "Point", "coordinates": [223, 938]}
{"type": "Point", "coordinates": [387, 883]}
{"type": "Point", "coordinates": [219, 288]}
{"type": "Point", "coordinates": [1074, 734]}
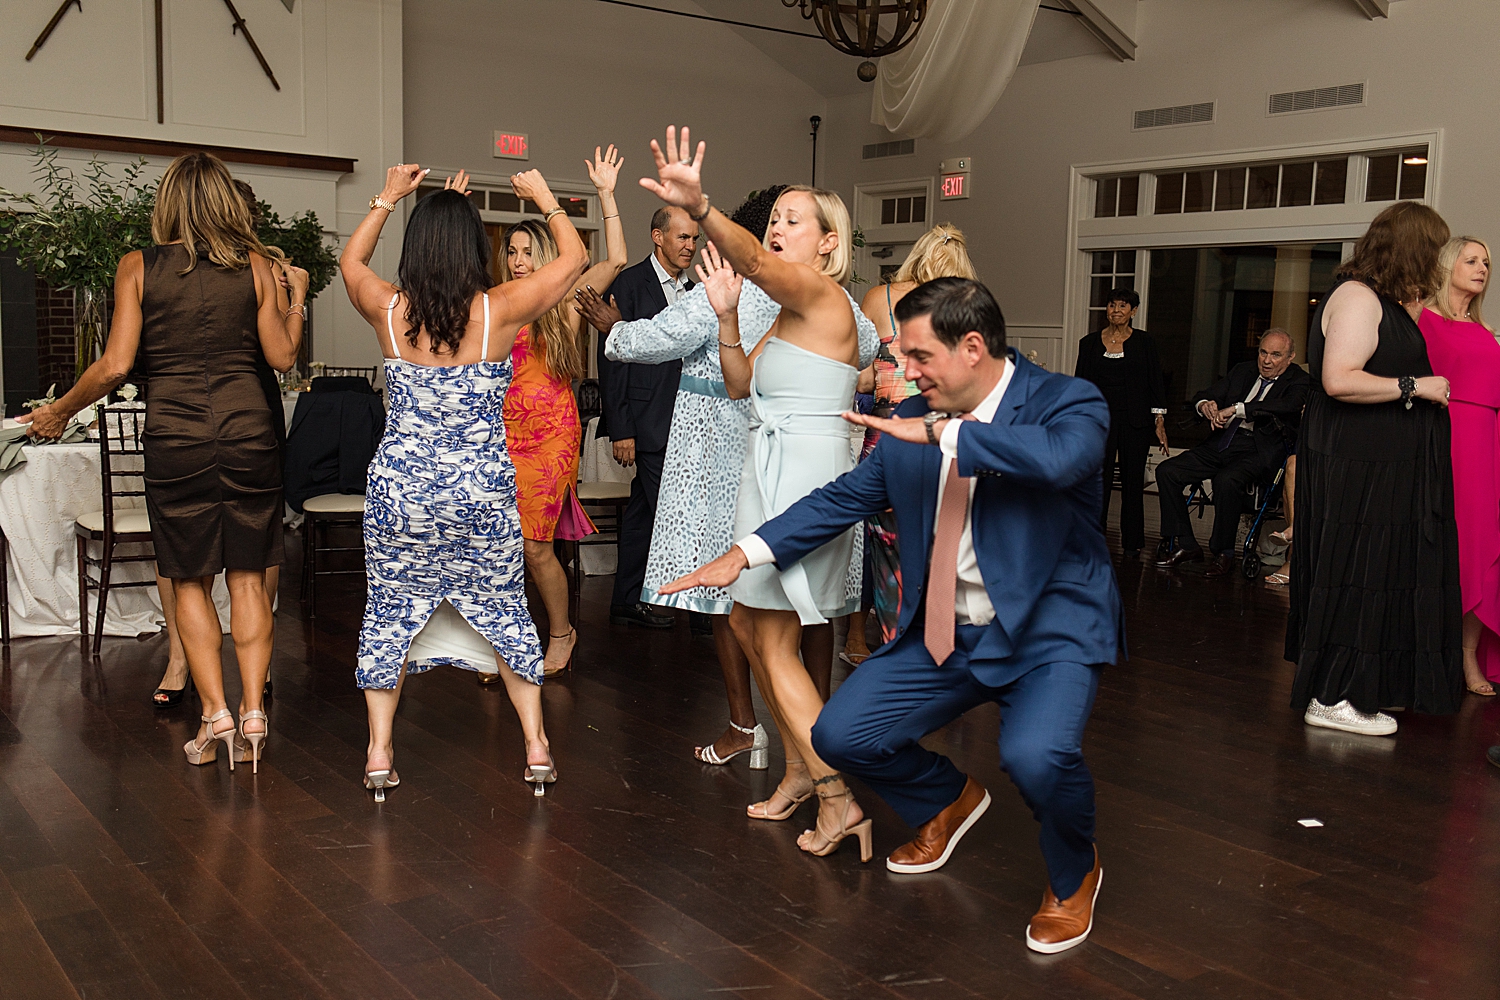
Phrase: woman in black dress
{"type": "Point", "coordinates": [1122, 362]}
{"type": "Point", "coordinates": [1375, 606]}
{"type": "Point", "coordinates": [201, 306]}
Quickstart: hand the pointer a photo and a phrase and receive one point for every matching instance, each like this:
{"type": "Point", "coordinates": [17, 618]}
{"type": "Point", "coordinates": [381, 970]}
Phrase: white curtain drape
{"type": "Point", "coordinates": [948, 80]}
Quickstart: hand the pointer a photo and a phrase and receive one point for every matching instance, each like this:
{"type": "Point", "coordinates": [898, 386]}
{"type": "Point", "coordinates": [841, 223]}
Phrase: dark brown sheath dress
{"type": "Point", "coordinates": [213, 470]}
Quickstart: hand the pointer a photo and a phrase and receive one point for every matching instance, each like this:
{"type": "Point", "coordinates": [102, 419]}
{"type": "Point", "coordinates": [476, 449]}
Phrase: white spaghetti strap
{"type": "Point", "coordinates": [390, 326]}
{"type": "Point", "coordinates": [484, 345]}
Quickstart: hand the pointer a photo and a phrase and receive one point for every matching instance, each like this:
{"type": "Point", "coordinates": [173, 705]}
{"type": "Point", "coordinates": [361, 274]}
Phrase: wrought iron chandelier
{"type": "Point", "coordinates": [868, 28]}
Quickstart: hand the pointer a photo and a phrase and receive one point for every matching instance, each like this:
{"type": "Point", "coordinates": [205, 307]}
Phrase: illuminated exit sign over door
{"type": "Point", "coordinates": [511, 146]}
{"type": "Point", "coordinates": [953, 181]}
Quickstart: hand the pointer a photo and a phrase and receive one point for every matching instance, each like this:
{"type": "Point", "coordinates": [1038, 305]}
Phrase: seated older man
{"type": "Point", "coordinates": [1254, 410]}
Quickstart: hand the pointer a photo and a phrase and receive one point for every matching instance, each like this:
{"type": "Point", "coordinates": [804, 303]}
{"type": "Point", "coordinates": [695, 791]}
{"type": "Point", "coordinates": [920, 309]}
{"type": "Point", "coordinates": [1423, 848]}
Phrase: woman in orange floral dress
{"type": "Point", "coordinates": [542, 430]}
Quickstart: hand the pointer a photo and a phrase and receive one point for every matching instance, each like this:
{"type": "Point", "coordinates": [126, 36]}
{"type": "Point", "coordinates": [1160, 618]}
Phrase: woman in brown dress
{"type": "Point", "coordinates": [195, 306]}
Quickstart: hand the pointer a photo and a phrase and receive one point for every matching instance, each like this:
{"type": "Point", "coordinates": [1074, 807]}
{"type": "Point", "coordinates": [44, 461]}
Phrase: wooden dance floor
{"type": "Point", "coordinates": [125, 872]}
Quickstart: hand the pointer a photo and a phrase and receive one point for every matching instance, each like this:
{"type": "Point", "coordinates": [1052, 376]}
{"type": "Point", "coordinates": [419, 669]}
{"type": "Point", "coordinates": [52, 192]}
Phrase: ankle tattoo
{"type": "Point", "coordinates": [828, 779]}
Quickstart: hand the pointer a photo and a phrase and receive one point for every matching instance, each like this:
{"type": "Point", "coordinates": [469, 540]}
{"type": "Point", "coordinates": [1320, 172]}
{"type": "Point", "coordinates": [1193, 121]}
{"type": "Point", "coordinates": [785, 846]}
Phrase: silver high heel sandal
{"type": "Point", "coordinates": [539, 775]}
{"type": "Point", "coordinates": [253, 739]}
{"type": "Point", "coordinates": [759, 750]}
{"type": "Point", "coordinates": [379, 781]}
{"type": "Point", "coordinates": [208, 751]}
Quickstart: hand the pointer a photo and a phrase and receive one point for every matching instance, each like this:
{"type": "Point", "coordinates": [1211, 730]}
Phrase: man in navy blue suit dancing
{"type": "Point", "coordinates": [993, 475]}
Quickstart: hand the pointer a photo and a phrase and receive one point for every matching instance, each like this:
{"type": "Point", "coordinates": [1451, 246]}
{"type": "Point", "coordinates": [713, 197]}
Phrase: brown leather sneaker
{"type": "Point", "coordinates": [937, 837]}
{"type": "Point", "coordinates": [1060, 926]}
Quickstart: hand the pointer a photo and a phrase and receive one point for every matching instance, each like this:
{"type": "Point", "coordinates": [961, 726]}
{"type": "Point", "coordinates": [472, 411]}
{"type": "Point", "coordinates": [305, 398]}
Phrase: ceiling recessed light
{"type": "Point", "coordinates": [1415, 161]}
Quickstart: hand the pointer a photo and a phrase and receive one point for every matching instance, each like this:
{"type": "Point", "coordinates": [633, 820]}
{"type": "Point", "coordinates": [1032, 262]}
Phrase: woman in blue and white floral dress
{"type": "Point", "coordinates": [443, 548]}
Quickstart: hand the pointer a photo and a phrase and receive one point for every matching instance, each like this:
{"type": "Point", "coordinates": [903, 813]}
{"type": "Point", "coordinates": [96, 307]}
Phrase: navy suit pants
{"type": "Point", "coordinates": [873, 725]}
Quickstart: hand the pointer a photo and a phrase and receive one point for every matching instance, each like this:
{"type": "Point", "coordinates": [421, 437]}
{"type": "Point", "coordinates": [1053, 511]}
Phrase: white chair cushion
{"type": "Point", "coordinates": [602, 491]}
{"type": "Point", "coordinates": [335, 503]}
{"type": "Point", "coordinates": [125, 521]}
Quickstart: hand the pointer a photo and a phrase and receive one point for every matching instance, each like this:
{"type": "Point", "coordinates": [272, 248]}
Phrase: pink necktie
{"type": "Point", "coordinates": [942, 577]}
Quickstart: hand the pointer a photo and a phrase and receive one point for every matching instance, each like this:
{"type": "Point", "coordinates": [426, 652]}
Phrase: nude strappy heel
{"type": "Point", "coordinates": [818, 842]}
{"type": "Point", "coordinates": [765, 807]}
{"type": "Point", "coordinates": [208, 751]}
{"type": "Point", "coordinates": [253, 739]}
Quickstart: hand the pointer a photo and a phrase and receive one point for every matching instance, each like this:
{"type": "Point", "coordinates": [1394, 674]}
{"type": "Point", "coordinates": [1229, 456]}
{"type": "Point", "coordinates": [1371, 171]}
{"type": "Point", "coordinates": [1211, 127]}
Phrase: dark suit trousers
{"type": "Point", "coordinates": [1132, 444]}
{"type": "Point", "coordinates": [635, 527]}
{"type": "Point", "coordinates": [1232, 472]}
{"type": "Point", "coordinates": [872, 726]}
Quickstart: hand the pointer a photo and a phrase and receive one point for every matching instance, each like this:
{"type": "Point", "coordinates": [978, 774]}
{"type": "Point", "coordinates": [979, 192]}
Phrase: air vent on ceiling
{"type": "Point", "coordinates": [1183, 114]}
{"type": "Point", "coordinates": [1348, 96]}
{"type": "Point", "coordinates": [896, 147]}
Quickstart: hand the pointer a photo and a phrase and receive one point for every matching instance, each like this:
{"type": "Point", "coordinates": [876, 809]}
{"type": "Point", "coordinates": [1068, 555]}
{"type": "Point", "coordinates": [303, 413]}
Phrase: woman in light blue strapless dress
{"type": "Point", "coordinates": [800, 378]}
{"type": "Point", "coordinates": [443, 547]}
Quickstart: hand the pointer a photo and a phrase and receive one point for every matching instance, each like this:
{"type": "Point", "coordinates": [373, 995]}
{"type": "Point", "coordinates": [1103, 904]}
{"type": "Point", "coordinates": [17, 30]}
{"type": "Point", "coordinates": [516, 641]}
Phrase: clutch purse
{"type": "Point", "coordinates": [573, 522]}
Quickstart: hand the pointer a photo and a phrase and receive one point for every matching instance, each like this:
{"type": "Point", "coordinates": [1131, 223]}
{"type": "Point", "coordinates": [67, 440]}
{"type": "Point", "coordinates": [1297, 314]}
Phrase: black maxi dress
{"type": "Point", "coordinates": [1375, 605]}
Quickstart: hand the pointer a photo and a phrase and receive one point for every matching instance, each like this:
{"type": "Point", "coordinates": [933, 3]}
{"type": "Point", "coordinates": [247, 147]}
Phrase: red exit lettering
{"type": "Point", "coordinates": [512, 146]}
{"type": "Point", "coordinates": [956, 186]}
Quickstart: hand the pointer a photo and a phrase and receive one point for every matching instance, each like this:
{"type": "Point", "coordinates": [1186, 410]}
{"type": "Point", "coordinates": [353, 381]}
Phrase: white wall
{"type": "Point", "coordinates": [1423, 68]}
{"type": "Point", "coordinates": [339, 66]}
{"type": "Point", "coordinates": [574, 74]}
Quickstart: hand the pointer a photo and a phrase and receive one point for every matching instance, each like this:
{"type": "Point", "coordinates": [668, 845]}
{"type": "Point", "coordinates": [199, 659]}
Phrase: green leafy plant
{"type": "Point", "coordinates": [302, 239]}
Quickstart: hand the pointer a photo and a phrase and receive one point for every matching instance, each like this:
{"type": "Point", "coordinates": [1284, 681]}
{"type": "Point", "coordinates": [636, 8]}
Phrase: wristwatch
{"type": "Point", "coordinates": [932, 417]}
{"type": "Point", "coordinates": [379, 202]}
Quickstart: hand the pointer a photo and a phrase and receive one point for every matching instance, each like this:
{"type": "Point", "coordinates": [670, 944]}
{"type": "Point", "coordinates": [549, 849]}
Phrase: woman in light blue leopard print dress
{"type": "Point", "coordinates": [443, 549]}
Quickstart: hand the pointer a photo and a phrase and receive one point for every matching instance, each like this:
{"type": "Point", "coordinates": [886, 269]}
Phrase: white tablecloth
{"type": "Point", "coordinates": [39, 502]}
{"type": "Point", "coordinates": [598, 465]}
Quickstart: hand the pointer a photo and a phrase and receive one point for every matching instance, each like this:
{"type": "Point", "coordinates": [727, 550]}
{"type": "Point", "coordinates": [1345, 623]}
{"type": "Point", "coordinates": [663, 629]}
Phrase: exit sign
{"type": "Point", "coordinates": [511, 146]}
{"type": "Point", "coordinates": [953, 186]}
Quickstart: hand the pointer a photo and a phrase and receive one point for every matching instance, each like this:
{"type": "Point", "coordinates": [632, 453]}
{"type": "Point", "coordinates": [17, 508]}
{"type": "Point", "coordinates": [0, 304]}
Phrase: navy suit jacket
{"type": "Point", "coordinates": [1035, 522]}
{"type": "Point", "coordinates": [638, 399]}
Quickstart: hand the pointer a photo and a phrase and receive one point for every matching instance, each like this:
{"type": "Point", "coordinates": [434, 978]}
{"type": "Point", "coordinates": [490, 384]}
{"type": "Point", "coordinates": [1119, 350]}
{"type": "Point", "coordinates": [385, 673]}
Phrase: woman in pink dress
{"type": "Point", "coordinates": [1465, 351]}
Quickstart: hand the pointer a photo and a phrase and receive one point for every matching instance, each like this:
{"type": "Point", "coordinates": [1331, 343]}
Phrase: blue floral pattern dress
{"type": "Point", "coordinates": [441, 525]}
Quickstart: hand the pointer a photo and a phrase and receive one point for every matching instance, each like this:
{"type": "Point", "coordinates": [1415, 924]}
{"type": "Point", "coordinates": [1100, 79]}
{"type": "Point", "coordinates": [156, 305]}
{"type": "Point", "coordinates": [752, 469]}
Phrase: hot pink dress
{"type": "Point", "coordinates": [1468, 356]}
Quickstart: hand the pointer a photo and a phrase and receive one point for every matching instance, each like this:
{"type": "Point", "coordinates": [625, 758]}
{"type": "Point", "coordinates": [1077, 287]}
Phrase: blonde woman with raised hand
{"type": "Point", "coordinates": [542, 428]}
{"type": "Point", "coordinates": [800, 379]}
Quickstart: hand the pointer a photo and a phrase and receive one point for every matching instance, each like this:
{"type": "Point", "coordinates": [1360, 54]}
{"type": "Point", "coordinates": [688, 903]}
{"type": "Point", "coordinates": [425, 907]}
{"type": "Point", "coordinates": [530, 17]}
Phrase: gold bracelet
{"type": "Point", "coordinates": [723, 344]}
{"type": "Point", "coordinates": [296, 307]}
{"type": "Point", "coordinates": [559, 210]}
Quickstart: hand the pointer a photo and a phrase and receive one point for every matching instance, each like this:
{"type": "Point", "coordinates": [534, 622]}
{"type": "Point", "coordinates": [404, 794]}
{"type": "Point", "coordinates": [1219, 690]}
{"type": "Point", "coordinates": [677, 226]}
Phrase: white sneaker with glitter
{"type": "Point", "coordinates": [1344, 716]}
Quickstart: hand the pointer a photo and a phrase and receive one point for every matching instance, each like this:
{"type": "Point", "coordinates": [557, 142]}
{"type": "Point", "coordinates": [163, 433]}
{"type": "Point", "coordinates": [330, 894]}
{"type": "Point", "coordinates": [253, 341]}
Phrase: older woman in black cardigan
{"type": "Point", "coordinates": [1122, 362]}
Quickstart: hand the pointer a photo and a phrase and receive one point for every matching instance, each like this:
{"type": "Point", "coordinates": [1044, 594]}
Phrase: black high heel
{"type": "Point", "coordinates": [165, 698]}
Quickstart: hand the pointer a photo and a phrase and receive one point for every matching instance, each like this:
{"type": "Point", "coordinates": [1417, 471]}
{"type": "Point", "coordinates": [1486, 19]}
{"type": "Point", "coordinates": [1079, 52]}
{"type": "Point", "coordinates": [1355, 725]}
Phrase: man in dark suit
{"type": "Point", "coordinates": [638, 403]}
{"type": "Point", "coordinates": [993, 475]}
{"type": "Point", "coordinates": [1255, 411]}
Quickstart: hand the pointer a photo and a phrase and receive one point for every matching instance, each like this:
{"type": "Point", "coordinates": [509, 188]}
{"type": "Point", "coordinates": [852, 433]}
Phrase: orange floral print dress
{"type": "Point", "coordinates": [543, 435]}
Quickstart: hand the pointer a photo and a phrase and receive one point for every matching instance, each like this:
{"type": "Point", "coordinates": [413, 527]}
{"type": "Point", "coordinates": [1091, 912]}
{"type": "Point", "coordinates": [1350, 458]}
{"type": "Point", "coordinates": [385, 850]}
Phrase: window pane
{"type": "Point", "coordinates": [887, 211]}
{"type": "Point", "coordinates": [1296, 184]}
{"type": "Point", "coordinates": [1099, 291]}
{"type": "Point", "coordinates": [1380, 179]}
{"type": "Point", "coordinates": [1331, 177]}
{"type": "Point", "coordinates": [576, 208]}
{"type": "Point", "coordinates": [504, 201]}
{"type": "Point", "coordinates": [1130, 194]}
{"type": "Point", "coordinates": [1199, 191]}
{"type": "Point", "coordinates": [1230, 194]}
{"type": "Point", "coordinates": [919, 208]}
{"type": "Point", "coordinates": [1104, 262]}
{"type": "Point", "coordinates": [1098, 319]}
{"type": "Point", "coordinates": [1125, 262]}
{"type": "Point", "coordinates": [903, 210]}
{"type": "Point", "coordinates": [1260, 191]}
{"type": "Point", "coordinates": [1414, 175]}
{"type": "Point", "coordinates": [1168, 194]}
{"type": "Point", "coordinates": [1105, 192]}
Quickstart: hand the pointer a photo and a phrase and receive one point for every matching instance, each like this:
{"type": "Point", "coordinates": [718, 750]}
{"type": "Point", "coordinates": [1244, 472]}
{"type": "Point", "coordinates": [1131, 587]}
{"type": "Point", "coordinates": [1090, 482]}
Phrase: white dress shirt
{"type": "Point", "coordinates": [1257, 392]}
{"type": "Point", "coordinates": [671, 287]}
{"type": "Point", "coordinates": [971, 603]}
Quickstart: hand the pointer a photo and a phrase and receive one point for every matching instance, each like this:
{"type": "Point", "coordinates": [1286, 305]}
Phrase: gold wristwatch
{"type": "Point", "coordinates": [379, 202]}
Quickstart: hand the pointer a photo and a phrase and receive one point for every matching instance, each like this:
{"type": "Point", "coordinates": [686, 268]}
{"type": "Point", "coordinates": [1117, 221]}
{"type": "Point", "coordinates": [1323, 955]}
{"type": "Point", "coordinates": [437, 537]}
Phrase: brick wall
{"type": "Point", "coordinates": [54, 337]}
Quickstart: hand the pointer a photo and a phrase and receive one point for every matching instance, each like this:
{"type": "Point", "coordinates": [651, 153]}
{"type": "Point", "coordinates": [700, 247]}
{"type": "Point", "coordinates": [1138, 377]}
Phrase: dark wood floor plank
{"type": "Point", "coordinates": [29, 967]}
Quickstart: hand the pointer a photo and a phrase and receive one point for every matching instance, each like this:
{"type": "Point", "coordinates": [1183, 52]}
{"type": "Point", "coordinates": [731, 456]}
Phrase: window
{"type": "Point", "coordinates": [506, 201]}
{"type": "Point", "coordinates": [1110, 269]}
{"type": "Point", "coordinates": [906, 208]}
{"type": "Point", "coordinates": [1270, 185]}
{"type": "Point", "coordinates": [1116, 196]}
{"type": "Point", "coordinates": [1399, 174]}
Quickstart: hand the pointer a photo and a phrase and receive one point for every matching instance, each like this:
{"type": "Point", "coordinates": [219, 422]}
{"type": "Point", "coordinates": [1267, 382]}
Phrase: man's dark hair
{"type": "Point", "coordinates": [754, 212]}
{"type": "Point", "coordinates": [661, 218]}
{"type": "Point", "coordinates": [1125, 295]}
{"type": "Point", "coordinates": [956, 306]}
